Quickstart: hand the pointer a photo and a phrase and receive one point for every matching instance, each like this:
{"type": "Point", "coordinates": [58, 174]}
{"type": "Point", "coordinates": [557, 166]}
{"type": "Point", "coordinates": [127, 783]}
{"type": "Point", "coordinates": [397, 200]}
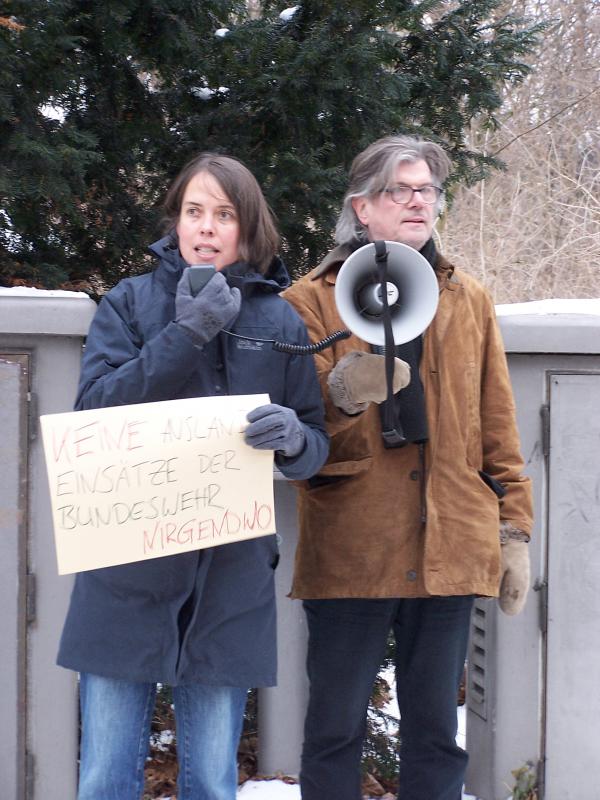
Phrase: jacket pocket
{"type": "Point", "coordinates": [325, 480]}
{"type": "Point", "coordinates": [351, 450]}
{"type": "Point", "coordinates": [496, 487]}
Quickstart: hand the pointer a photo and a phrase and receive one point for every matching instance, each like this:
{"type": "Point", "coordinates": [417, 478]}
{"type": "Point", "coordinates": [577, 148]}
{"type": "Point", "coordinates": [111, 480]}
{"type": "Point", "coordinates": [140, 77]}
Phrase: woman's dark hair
{"type": "Point", "coordinates": [259, 239]}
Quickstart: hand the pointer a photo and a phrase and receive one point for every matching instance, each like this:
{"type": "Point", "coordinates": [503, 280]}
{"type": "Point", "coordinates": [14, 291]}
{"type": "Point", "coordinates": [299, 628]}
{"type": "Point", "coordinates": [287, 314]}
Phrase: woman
{"type": "Point", "coordinates": [202, 621]}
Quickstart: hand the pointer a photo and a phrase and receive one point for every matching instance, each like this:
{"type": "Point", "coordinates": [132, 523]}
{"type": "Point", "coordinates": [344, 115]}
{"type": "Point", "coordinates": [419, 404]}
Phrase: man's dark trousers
{"type": "Point", "coordinates": [347, 642]}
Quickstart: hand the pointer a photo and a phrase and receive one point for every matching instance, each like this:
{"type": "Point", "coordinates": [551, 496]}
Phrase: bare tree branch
{"type": "Point", "coordinates": [546, 121]}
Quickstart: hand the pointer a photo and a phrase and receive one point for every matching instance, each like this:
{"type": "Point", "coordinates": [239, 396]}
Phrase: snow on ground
{"type": "Point", "coordinates": [278, 790]}
{"type": "Point", "coordinates": [269, 790]}
{"type": "Point", "coordinates": [30, 291]}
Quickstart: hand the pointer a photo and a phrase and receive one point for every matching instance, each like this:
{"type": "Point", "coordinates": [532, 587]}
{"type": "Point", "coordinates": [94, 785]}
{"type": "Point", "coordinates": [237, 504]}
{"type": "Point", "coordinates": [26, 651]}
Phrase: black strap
{"type": "Point", "coordinates": [392, 433]}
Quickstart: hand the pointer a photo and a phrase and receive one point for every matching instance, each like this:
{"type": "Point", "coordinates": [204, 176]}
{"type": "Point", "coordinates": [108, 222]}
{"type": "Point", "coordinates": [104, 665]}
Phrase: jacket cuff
{"type": "Point", "coordinates": [508, 531]}
{"type": "Point", "coordinates": [196, 340]}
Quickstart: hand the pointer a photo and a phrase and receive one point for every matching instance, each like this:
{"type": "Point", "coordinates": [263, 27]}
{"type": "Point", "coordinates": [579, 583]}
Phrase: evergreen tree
{"type": "Point", "coordinates": [145, 84]}
{"type": "Point", "coordinates": [79, 188]}
{"type": "Point", "coordinates": [304, 94]}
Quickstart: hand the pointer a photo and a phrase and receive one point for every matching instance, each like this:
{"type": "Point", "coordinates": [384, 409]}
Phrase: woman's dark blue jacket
{"type": "Point", "coordinates": [205, 616]}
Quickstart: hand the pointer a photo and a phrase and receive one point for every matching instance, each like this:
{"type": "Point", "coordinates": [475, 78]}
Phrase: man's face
{"type": "Point", "coordinates": [410, 223]}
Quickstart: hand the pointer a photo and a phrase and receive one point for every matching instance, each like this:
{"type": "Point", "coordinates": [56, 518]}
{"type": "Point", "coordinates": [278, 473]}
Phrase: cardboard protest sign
{"type": "Point", "coordinates": [135, 482]}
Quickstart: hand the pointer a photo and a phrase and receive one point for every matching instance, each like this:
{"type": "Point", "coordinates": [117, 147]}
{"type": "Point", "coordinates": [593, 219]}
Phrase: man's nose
{"type": "Point", "coordinates": [416, 200]}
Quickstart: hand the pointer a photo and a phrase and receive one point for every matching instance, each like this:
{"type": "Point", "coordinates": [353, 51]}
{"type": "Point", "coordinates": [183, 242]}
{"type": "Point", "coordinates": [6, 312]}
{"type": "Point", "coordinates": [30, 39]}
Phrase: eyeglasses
{"type": "Point", "coordinates": [403, 194]}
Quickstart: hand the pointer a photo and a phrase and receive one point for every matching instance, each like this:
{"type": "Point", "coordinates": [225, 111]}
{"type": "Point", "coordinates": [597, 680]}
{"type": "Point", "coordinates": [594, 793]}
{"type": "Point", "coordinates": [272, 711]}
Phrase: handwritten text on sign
{"type": "Point", "coordinates": [140, 481]}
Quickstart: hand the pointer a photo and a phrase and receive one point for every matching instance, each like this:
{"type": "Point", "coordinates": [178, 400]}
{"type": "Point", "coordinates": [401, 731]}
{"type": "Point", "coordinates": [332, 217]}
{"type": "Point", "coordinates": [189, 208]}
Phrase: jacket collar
{"type": "Point", "coordinates": [332, 262]}
{"type": "Point", "coordinates": [445, 272]}
{"type": "Point", "coordinates": [243, 275]}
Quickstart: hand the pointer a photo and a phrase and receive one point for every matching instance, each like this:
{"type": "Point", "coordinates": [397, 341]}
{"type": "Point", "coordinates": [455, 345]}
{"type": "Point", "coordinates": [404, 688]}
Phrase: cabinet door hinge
{"type": "Point", "coordinates": [29, 775]}
{"type": "Point", "coordinates": [541, 587]}
{"type": "Point", "coordinates": [32, 415]}
{"type": "Point", "coordinates": [545, 415]}
{"type": "Point", "coordinates": [31, 599]}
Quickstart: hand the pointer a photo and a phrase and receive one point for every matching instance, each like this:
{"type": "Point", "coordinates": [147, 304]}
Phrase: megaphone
{"type": "Point", "coordinates": [412, 293]}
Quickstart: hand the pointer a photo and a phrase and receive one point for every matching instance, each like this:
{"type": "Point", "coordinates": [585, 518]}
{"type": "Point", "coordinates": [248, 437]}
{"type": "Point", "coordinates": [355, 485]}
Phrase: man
{"type": "Point", "coordinates": [403, 539]}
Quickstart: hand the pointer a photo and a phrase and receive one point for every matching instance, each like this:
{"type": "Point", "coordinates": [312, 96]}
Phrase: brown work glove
{"type": "Point", "coordinates": [359, 379]}
{"type": "Point", "coordinates": [514, 584]}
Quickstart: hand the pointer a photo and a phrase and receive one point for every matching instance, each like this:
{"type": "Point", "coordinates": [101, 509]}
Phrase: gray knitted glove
{"type": "Point", "coordinates": [274, 427]}
{"type": "Point", "coordinates": [211, 310]}
{"type": "Point", "coordinates": [359, 379]}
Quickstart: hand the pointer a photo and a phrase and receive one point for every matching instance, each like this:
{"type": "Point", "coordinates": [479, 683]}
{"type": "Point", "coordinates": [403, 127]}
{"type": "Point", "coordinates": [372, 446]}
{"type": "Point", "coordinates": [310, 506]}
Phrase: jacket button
{"type": "Point", "coordinates": [218, 387]}
{"type": "Point", "coordinates": [220, 366]}
{"type": "Point", "coordinates": [411, 575]}
{"type": "Point", "coordinates": [414, 475]}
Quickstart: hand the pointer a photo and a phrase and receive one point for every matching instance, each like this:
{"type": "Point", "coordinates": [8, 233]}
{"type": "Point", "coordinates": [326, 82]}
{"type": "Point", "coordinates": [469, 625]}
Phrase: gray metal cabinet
{"type": "Point", "coordinates": [41, 334]}
{"type": "Point", "coordinates": [572, 686]}
{"type": "Point", "coordinates": [14, 402]}
{"type": "Point", "coordinates": [533, 694]}
{"type": "Point", "coordinates": [534, 680]}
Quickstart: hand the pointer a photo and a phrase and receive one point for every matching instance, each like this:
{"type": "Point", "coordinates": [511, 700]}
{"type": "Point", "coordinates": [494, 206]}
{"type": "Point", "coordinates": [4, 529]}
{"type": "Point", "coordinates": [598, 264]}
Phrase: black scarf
{"type": "Point", "coordinates": [409, 403]}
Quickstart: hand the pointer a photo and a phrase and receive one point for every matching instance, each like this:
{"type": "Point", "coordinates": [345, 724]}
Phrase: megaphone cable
{"type": "Point", "coordinates": [297, 349]}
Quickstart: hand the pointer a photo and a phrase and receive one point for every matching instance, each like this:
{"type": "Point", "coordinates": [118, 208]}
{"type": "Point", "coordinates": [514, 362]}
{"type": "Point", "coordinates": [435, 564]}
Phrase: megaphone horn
{"type": "Point", "coordinates": [412, 293]}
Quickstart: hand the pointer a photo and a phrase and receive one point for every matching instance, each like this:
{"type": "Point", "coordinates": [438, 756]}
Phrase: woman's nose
{"type": "Point", "coordinates": [207, 224]}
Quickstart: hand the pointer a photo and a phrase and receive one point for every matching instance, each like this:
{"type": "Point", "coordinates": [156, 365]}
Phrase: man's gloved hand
{"type": "Point", "coordinates": [514, 584]}
{"type": "Point", "coordinates": [211, 310]}
{"type": "Point", "coordinates": [359, 379]}
{"type": "Point", "coordinates": [274, 427]}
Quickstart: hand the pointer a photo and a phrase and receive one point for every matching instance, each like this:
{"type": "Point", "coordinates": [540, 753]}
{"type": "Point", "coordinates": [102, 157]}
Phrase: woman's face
{"type": "Point", "coordinates": [208, 225]}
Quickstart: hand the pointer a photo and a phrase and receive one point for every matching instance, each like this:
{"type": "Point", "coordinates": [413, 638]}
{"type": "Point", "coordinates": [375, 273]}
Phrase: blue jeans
{"type": "Point", "coordinates": [347, 643]}
{"type": "Point", "coordinates": [115, 720]}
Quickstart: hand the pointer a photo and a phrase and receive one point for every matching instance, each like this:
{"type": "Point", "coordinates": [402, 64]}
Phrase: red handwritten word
{"type": "Point", "coordinates": [171, 536]}
{"type": "Point", "coordinates": [95, 437]}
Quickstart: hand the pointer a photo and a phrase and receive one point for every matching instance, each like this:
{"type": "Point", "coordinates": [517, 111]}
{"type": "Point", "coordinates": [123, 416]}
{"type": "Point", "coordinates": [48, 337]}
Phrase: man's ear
{"type": "Point", "coordinates": [360, 206]}
{"type": "Point", "coordinates": [441, 205]}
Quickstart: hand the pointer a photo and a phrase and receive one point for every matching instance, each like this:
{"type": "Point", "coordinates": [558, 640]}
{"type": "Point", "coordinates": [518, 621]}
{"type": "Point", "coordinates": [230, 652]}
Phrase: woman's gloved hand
{"type": "Point", "coordinates": [359, 379]}
{"type": "Point", "coordinates": [274, 427]}
{"type": "Point", "coordinates": [211, 310]}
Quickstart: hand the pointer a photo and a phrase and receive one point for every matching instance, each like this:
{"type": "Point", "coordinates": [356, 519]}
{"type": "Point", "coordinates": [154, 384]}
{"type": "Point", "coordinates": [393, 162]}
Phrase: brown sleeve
{"type": "Point", "coordinates": [502, 457]}
{"type": "Point", "coordinates": [314, 300]}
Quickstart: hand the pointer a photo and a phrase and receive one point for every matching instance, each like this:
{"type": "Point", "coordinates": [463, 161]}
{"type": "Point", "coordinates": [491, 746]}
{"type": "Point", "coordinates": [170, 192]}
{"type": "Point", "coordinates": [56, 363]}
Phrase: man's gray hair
{"type": "Point", "coordinates": [373, 171]}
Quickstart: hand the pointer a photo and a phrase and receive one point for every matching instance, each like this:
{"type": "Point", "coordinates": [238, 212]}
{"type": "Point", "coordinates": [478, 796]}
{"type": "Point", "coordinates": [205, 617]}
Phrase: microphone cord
{"type": "Point", "coordinates": [297, 349]}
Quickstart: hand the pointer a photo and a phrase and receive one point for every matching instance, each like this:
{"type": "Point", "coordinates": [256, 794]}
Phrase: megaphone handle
{"type": "Point", "coordinates": [393, 435]}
